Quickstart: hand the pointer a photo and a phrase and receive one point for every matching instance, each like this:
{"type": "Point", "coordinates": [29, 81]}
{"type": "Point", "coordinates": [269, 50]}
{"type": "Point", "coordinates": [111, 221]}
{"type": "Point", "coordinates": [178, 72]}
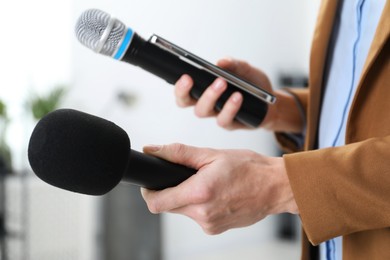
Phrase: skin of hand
{"type": "Point", "coordinates": [232, 188]}
{"type": "Point", "coordinates": [281, 116]}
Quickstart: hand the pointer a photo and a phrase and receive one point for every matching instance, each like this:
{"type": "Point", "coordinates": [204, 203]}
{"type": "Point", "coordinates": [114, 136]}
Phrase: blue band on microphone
{"type": "Point", "coordinates": [125, 44]}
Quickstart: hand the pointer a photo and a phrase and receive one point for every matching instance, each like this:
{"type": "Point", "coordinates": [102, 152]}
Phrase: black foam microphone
{"type": "Point", "coordinates": [106, 35]}
{"type": "Point", "coordinates": [83, 153]}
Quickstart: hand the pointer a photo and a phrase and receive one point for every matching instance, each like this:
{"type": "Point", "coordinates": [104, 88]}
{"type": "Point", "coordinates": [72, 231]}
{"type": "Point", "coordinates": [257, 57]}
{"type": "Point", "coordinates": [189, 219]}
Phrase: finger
{"type": "Point", "coordinates": [155, 200]}
{"type": "Point", "coordinates": [189, 156]}
{"type": "Point", "coordinates": [165, 200]}
{"type": "Point", "coordinates": [226, 117]}
{"type": "Point", "coordinates": [182, 91]}
{"type": "Point", "coordinates": [209, 225]}
{"type": "Point", "coordinates": [187, 192]}
{"type": "Point", "coordinates": [206, 103]}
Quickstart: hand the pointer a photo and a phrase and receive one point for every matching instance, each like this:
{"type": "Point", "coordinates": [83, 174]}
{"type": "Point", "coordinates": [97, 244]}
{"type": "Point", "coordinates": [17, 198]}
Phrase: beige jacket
{"type": "Point", "coordinates": [345, 191]}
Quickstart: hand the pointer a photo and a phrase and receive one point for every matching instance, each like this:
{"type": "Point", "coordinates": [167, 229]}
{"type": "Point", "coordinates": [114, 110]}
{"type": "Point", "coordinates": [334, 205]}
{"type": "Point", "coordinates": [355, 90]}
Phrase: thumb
{"type": "Point", "coordinates": [189, 156]}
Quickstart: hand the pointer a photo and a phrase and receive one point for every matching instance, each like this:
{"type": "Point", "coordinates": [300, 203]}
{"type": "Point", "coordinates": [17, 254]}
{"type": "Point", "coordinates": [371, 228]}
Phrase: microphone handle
{"type": "Point", "coordinates": [154, 173]}
{"type": "Point", "coordinates": [170, 67]}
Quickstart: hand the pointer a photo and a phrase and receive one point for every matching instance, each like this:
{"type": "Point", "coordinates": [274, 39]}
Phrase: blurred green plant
{"type": "Point", "coordinates": [42, 105]}
{"type": "Point", "coordinates": [3, 110]}
{"type": "Point", "coordinates": [5, 151]}
{"type": "Point", "coordinates": [39, 107]}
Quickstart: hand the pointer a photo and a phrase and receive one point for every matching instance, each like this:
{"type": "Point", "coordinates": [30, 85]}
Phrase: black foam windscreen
{"type": "Point", "coordinates": [79, 152]}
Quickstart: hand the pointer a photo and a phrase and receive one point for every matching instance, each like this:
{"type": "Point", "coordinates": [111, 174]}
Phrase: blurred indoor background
{"type": "Point", "coordinates": [44, 67]}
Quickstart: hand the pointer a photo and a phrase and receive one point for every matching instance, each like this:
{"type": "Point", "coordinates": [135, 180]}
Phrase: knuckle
{"type": "Point", "coordinates": [176, 150]}
{"type": "Point", "coordinates": [203, 215]}
{"type": "Point", "coordinates": [211, 230]}
{"type": "Point", "coordinates": [153, 207]}
{"type": "Point", "coordinates": [202, 194]}
{"type": "Point", "coordinates": [224, 123]}
{"type": "Point", "coordinates": [150, 201]}
{"type": "Point", "coordinates": [252, 155]}
{"type": "Point", "coordinates": [182, 102]}
{"type": "Point", "coordinates": [196, 112]}
{"type": "Point", "coordinates": [199, 112]}
{"type": "Point", "coordinates": [181, 94]}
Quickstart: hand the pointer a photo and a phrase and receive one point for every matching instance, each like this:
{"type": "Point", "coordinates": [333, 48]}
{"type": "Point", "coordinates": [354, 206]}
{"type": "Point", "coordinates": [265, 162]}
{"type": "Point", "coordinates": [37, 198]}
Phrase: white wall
{"type": "Point", "coordinates": [35, 51]}
{"type": "Point", "coordinates": [273, 35]}
{"type": "Point", "coordinates": [35, 55]}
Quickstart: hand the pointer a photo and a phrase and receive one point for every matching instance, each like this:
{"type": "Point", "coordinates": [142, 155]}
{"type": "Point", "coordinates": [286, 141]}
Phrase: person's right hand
{"type": "Point", "coordinates": [204, 107]}
{"type": "Point", "coordinates": [231, 189]}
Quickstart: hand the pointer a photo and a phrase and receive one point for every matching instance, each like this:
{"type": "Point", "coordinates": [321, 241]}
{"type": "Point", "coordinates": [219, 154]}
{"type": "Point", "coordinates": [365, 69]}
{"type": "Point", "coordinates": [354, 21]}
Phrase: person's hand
{"type": "Point", "coordinates": [232, 188]}
{"type": "Point", "coordinates": [204, 107]}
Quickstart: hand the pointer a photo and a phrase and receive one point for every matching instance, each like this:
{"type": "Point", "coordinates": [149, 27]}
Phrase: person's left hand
{"type": "Point", "coordinates": [232, 188]}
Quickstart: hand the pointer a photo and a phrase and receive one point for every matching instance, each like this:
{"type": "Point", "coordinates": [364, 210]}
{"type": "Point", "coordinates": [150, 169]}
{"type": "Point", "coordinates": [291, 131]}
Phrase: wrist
{"type": "Point", "coordinates": [284, 115]}
{"type": "Point", "coordinates": [284, 201]}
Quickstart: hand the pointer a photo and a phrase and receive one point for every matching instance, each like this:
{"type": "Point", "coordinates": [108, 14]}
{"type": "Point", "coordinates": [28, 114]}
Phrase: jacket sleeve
{"type": "Point", "coordinates": [342, 190]}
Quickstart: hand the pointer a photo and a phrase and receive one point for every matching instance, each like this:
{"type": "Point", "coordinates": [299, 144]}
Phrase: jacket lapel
{"type": "Point", "coordinates": [321, 38]}
{"type": "Point", "coordinates": [382, 35]}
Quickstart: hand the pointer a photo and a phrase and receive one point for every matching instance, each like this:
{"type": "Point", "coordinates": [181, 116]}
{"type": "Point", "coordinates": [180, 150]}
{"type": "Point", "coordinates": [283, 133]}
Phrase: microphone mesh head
{"type": "Point", "coordinates": [79, 152]}
{"type": "Point", "coordinates": [91, 26]}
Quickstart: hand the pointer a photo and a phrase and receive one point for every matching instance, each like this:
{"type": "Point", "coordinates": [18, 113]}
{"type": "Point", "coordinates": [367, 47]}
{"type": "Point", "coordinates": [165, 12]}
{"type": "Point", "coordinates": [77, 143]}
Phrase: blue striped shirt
{"type": "Point", "coordinates": [353, 32]}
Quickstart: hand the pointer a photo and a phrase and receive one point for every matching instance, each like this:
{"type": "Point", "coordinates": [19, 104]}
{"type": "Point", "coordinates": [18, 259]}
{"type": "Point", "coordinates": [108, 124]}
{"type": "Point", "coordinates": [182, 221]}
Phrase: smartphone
{"type": "Point", "coordinates": [200, 63]}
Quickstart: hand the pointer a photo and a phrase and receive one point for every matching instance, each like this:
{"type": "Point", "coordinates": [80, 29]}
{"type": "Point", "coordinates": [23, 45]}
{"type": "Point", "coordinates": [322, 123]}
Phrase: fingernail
{"type": "Point", "coordinates": [152, 148]}
{"type": "Point", "coordinates": [218, 84]}
{"type": "Point", "coordinates": [185, 82]}
{"type": "Point", "coordinates": [237, 97]}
